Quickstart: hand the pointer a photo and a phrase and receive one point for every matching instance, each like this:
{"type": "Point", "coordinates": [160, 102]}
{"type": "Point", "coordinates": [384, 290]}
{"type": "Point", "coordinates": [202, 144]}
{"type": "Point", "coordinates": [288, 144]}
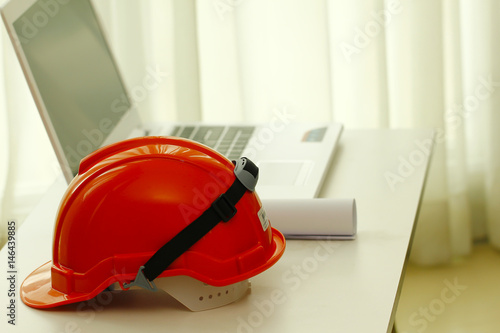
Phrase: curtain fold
{"type": "Point", "coordinates": [283, 58]}
{"type": "Point", "coordinates": [220, 82]}
{"type": "Point", "coordinates": [415, 62]}
{"type": "Point", "coordinates": [358, 62]}
{"type": "Point", "coordinates": [480, 103]}
{"type": "Point", "coordinates": [476, 67]}
{"type": "Point", "coordinates": [456, 158]}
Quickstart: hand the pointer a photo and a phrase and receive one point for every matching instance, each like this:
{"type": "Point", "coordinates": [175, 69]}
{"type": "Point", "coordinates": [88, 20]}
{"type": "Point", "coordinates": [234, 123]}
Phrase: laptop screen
{"type": "Point", "coordinates": [75, 74]}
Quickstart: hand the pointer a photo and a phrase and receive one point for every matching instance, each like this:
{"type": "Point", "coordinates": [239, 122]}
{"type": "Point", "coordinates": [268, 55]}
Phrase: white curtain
{"type": "Point", "coordinates": [365, 63]}
{"type": "Point", "coordinates": [374, 64]}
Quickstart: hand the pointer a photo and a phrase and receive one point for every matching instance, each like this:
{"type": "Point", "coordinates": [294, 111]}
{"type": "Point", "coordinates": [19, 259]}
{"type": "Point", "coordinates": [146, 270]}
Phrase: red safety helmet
{"type": "Point", "coordinates": [155, 207]}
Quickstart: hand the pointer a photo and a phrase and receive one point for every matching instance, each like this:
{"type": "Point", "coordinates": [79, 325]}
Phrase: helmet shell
{"type": "Point", "coordinates": [132, 197]}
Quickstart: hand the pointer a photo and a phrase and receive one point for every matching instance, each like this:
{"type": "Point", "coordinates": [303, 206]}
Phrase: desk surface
{"type": "Point", "coordinates": [317, 286]}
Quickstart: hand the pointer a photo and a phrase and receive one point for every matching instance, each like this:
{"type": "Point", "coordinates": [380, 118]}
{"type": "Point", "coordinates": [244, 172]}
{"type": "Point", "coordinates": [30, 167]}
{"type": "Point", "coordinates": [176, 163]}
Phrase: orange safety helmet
{"type": "Point", "coordinates": [155, 207]}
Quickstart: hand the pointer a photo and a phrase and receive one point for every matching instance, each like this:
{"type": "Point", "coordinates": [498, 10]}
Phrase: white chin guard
{"type": "Point", "coordinates": [197, 295]}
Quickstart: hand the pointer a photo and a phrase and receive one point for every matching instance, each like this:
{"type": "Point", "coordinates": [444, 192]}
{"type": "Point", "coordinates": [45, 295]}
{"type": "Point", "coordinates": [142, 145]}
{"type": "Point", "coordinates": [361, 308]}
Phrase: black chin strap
{"type": "Point", "coordinates": [222, 209]}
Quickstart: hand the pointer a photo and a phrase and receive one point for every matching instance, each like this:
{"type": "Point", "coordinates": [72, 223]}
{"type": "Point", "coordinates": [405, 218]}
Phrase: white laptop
{"type": "Point", "coordinates": [84, 103]}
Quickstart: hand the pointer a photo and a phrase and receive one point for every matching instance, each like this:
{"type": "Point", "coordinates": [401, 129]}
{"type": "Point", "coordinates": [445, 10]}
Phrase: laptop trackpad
{"type": "Point", "coordinates": [284, 173]}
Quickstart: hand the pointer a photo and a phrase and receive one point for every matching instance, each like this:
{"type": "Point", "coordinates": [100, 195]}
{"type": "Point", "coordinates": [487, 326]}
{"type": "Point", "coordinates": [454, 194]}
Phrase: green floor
{"type": "Point", "coordinates": [455, 298]}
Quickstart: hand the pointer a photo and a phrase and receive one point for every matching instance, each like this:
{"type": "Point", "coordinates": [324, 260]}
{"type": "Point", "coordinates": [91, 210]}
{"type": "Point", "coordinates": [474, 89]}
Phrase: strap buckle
{"type": "Point", "coordinates": [224, 208]}
{"type": "Point", "coordinates": [247, 173]}
{"type": "Point", "coordinates": [141, 281]}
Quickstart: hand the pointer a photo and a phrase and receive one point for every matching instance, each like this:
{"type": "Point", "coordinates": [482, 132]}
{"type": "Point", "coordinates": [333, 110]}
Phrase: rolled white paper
{"type": "Point", "coordinates": [313, 218]}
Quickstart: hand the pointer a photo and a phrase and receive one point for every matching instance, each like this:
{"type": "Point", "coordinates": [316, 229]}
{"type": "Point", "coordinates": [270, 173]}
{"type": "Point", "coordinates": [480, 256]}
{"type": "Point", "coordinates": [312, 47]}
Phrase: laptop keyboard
{"type": "Point", "coordinates": [227, 140]}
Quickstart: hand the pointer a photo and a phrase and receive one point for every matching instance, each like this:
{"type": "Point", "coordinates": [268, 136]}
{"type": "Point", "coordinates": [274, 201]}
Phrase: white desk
{"type": "Point", "coordinates": [317, 286]}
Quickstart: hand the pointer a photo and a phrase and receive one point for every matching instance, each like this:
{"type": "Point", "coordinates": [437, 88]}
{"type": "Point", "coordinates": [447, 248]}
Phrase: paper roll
{"type": "Point", "coordinates": [313, 218]}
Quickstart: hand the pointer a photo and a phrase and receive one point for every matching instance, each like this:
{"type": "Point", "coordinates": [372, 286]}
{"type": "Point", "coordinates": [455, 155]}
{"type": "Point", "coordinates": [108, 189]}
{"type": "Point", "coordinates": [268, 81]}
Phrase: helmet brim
{"type": "Point", "coordinates": [37, 291]}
